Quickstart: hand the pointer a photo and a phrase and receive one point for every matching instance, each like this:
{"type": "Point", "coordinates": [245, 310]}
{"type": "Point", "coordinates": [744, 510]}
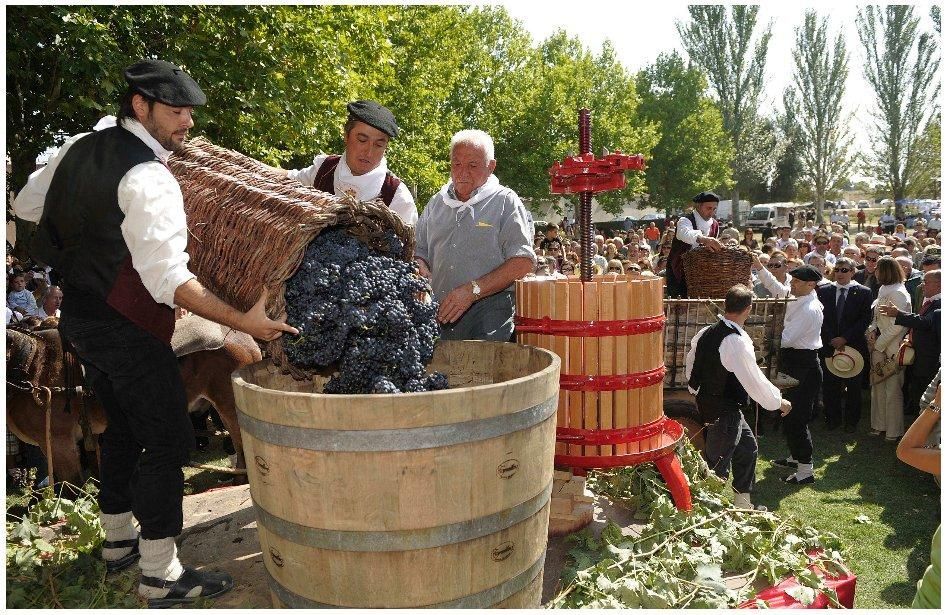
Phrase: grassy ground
{"type": "Point", "coordinates": [858, 474]}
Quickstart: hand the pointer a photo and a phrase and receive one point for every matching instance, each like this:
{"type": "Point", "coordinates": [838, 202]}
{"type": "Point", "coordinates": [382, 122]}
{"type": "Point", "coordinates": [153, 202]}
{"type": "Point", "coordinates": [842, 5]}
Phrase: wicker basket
{"type": "Point", "coordinates": [710, 274]}
{"type": "Point", "coordinates": [249, 227]}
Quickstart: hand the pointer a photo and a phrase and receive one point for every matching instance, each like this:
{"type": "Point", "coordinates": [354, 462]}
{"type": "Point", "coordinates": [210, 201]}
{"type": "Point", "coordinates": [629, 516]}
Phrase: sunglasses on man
{"type": "Point", "coordinates": [870, 259]}
{"type": "Point", "coordinates": [615, 270]}
{"type": "Point", "coordinates": [775, 264]}
{"type": "Point", "coordinates": [842, 270]}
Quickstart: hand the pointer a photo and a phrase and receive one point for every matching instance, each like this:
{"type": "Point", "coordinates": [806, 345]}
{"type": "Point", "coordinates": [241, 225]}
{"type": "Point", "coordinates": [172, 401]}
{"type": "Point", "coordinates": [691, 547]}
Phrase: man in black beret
{"type": "Point", "coordinates": [112, 222]}
{"type": "Point", "coordinates": [698, 228]}
{"type": "Point", "coordinates": [800, 343]}
{"type": "Point", "coordinates": [361, 170]}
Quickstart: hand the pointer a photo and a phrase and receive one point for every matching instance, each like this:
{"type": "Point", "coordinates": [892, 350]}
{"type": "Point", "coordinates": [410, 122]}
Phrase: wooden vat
{"type": "Point", "coordinates": [437, 499]}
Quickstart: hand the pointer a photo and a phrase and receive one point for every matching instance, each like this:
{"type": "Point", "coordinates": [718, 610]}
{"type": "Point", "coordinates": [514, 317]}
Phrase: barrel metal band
{"type": "Point", "coordinates": [481, 600]}
{"type": "Point", "coordinates": [612, 382]}
{"type": "Point", "coordinates": [589, 328]}
{"type": "Point", "coordinates": [672, 432]}
{"type": "Point", "coordinates": [403, 540]}
{"type": "Point", "coordinates": [409, 439]}
{"type": "Point", "coordinates": [626, 435]}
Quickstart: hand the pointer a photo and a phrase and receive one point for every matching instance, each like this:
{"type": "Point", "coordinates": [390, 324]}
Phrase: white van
{"type": "Point", "coordinates": [776, 213]}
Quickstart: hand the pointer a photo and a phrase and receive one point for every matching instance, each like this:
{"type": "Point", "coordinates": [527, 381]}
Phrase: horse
{"type": "Point", "coordinates": [36, 359]}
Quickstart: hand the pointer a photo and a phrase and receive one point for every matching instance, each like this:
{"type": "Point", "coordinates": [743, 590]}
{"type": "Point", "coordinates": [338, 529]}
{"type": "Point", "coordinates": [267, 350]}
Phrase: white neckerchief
{"type": "Point", "coordinates": [850, 285]}
{"type": "Point", "coordinates": [490, 188]}
{"type": "Point", "coordinates": [363, 187]}
{"type": "Point", "coordinates": [135, 127]}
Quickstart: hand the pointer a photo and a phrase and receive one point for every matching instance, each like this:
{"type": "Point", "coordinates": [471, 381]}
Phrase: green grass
{"type": "Point", "coordinates": [858, 474]}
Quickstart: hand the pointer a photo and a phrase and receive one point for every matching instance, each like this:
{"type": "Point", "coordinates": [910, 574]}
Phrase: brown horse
{"type": "Point", "coordinates": [37, 358]}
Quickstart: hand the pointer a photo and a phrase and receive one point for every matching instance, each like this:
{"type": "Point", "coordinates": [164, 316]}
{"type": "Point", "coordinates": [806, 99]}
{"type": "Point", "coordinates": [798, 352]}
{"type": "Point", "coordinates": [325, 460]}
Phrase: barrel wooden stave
{"type": "Point", "coordinates": [506, 469]}
{"type": "Point", "coordinates": [407, 579]}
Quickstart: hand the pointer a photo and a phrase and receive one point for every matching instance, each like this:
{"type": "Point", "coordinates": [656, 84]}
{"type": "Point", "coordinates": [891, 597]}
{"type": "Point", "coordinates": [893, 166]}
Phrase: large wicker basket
{"type": "Point", "coordinates": [710, 274]}
{"type": "Point", "coordinates": [249, 226]}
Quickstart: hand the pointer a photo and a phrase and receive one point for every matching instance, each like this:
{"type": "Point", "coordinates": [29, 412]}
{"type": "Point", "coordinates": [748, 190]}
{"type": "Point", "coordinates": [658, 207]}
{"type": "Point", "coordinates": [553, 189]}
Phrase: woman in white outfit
{"type": "Point", "coordinates": [884, 339]}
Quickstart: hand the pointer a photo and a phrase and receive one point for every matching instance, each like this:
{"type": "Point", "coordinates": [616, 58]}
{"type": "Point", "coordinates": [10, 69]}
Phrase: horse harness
{"type": "Point", "coordinates": [72, 379]}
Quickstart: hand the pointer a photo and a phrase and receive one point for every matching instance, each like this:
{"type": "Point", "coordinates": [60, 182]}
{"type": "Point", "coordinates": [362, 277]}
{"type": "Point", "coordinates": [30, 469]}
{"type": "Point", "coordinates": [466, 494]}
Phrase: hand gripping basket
{"type": "Point", "coordinates": [249, 227]}
{"type": "Point", "coordinates": [710, 274]}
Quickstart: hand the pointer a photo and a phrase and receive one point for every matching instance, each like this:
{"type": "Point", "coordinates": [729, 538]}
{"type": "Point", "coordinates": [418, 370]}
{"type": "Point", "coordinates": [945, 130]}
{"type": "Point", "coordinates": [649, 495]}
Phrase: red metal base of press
{"type": "Point", "coordinates": [662, 455]}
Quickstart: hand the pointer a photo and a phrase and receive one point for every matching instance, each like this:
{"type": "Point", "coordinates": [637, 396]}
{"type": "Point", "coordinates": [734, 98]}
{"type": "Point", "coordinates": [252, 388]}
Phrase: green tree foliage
{"type": "Point", "coordinates": [721, 40]}
{"type": "Point", "coordinates": [820, 71]}
{"type": "Point", "coordinates": [926, 173]}
{"type": "Point", "coordinates": [560, 78]}
{"type": "Point", "coordinates": [902, 68]}
{"type": "Point", "coordinates": [788, 168]}
{"type": "Point", "coordinates": [693, 152]}
{"type": "Point", "coordinates": [278, 79]}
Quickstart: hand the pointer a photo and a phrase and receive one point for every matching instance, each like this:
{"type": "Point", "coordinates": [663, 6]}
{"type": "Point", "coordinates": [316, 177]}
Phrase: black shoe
{"type": "Point", "coordinates": [849, 429]}
{"type": "Point", "coordinates": [793, 480]}
{"type": "Point", "coordinates": [212, 584]}
{"type": "Point", "coordinates": [785, 463]}
{"type": "Point", "coordinates": [831, 426]}
{"type": "Point", "coordinates": [114, 565]}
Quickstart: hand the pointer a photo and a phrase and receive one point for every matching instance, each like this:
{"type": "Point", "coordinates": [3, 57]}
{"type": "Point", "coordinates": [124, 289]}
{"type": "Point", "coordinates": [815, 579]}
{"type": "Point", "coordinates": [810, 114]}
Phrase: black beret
{"type": "Point", "coordinates": [374, 115]}
{"type": "Point", "coordinates": [164, 82]}
{"type": "Point", "coordinates": [807, 273]}
{"type": "Point", "coordinates": [706, 197]}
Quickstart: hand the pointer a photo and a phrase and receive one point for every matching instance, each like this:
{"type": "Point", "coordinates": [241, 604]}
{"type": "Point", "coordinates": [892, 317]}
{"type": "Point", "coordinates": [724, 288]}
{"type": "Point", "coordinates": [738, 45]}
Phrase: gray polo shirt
{"type": "Point", "coordinates": [459, 247]}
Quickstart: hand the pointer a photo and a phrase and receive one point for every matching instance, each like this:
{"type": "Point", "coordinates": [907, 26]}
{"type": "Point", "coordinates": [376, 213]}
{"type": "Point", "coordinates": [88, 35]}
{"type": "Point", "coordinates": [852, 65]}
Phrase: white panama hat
{"type": "Point", "coordinates": [846, 362]}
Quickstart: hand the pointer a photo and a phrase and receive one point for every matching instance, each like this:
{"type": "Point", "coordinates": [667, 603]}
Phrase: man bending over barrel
{"type": "Point", "coordinates": [722, 371]}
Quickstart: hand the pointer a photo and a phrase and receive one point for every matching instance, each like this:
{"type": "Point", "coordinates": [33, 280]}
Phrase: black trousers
{"type": "Point", "coordinates": [137, 380]}
{"type": "Point", "coordinates": [835, 391]}
{"type": "Point", "coordinates": [804, 365]}
{"type": "Point", "coordinates": [729, 444]}
{"type": "Point", "coordinates": [674, 288]}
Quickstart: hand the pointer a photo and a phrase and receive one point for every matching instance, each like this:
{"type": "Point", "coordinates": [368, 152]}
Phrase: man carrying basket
{"type": "Point", "coordinates": [698, 228]}
{"type": "Point", "coordinates": [112, 222]}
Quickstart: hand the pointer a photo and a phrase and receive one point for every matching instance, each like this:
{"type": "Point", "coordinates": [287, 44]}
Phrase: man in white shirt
{"type": "Point", "coordinates": [722, 372]}
{"type": "Point", "coordinates": [362, 171]}
{"type": "Point", "coordinates": [800, 342]}
{"type": "Point", "coordinates": [698, 228]}
{"type": "Point", "coordinates": [111, 220]}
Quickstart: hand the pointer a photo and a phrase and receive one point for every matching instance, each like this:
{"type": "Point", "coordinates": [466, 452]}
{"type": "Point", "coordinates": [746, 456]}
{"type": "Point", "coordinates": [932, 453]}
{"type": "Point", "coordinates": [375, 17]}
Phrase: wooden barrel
{"type": "Point", "coordinates": [437, 499]}
{"type": "Point", "coordinates": [609, 335]}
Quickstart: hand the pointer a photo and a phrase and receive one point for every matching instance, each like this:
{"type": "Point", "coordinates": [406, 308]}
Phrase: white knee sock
{"type": "Point", "coordinates": [159, 560]}
{"type": "Point", "coordinates": [117, 527]}
{"type": "Point", "coordinates": [804, 470]}
{"type": "Point", "coordinates": [742, 500]}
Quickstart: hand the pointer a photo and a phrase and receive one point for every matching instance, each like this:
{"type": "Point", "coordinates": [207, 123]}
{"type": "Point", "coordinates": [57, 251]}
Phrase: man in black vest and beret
{"type": "Point", "coordinates": [112, 222]}
{"type": "Point", "coordinates": [362, 171]}
{"type": "Point", "coordinates": [722, 371]}
{"type": "Point", "coordinates": [699, 228]}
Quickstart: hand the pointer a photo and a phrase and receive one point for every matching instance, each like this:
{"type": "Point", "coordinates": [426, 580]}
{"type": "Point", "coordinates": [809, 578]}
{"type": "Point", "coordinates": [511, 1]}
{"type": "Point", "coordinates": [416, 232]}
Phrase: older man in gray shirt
{"type": "Point", "coordinates": [473, 239]}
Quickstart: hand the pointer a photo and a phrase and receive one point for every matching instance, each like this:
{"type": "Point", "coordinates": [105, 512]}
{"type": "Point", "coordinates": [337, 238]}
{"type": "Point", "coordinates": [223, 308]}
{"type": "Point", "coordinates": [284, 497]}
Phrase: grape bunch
{"type": "Point", "coordinates": [358, 310]}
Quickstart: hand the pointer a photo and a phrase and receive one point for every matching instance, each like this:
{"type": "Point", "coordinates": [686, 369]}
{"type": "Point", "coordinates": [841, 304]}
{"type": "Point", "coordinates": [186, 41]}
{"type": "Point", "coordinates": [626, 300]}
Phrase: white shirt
{"type": "Point", "coordinates": [42, 313]}
{"type": "Point", "coordinates": [804, 318]}
{"type": "Point", "coordinates": [935, 223]}
{"type": "Point", "coordinates": [737, 357]}
{"type": "Point", "coordinates": [364, 187]}
{"type": "Point", "coordinates": [154, 229]}
{"type": "Point", "coordinates": [688, 233]}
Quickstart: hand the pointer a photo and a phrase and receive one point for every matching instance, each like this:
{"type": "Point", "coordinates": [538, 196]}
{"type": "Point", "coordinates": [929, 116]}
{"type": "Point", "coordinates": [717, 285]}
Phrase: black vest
{"type": "Point", "coordinates": [80, 235]}
{"type": "Point", "coordinates": [719, 390]}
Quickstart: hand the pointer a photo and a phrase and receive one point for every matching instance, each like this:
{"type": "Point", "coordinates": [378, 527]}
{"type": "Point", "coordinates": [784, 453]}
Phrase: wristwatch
{"type": "Point", "coordinates": [476, 289]}
{"type": "Point", "coordinates": [934, 408]}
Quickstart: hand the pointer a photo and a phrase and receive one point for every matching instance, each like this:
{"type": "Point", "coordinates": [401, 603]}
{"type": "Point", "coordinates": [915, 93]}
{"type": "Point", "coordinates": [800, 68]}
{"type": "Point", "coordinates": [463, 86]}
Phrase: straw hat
{"type": "Point", "coordinates": [846, 362]}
